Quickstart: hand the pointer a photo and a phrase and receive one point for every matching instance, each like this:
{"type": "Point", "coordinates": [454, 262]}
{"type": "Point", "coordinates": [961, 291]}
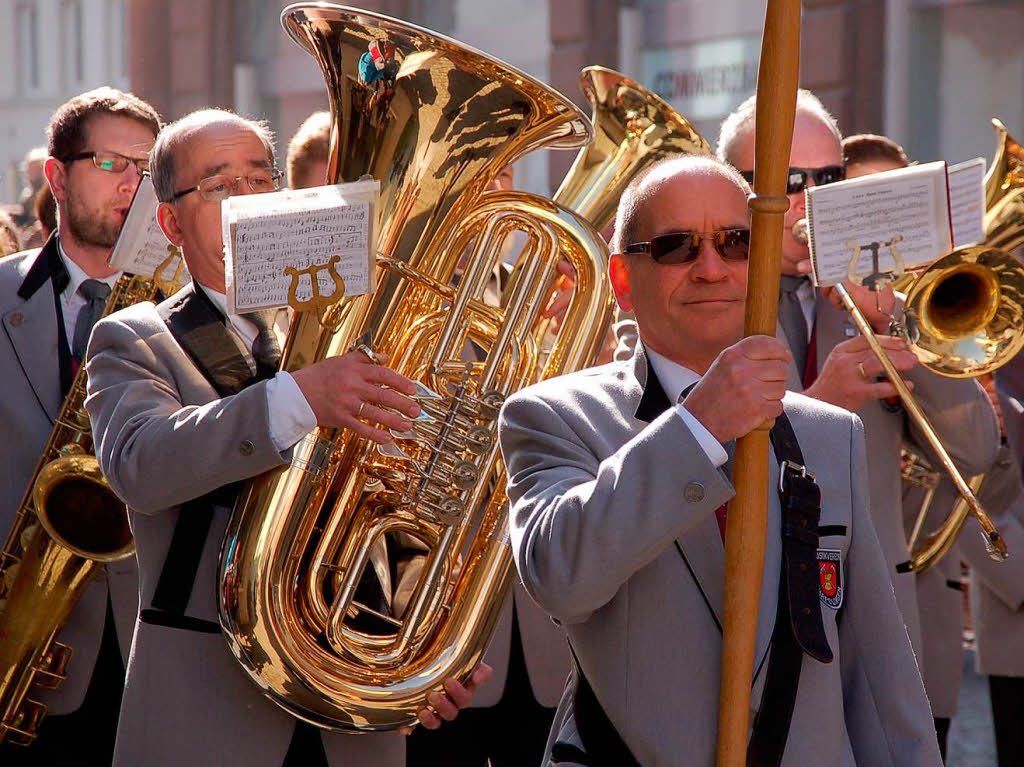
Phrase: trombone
{"type": "Point", "coordinates": [969, 304]}
{"type": "Point", "coordinates": [963, 318]}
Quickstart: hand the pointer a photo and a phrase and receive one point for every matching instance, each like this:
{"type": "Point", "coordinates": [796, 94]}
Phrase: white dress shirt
{"type": "Point", "coordinates": [291, 417]}
{"type": "Point", "coordinates": [71, 301]}
{"type": "Point", "coordinates": [674, 378]}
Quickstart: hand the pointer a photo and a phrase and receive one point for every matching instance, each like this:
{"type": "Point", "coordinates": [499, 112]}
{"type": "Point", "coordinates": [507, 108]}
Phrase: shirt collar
{"type": "Point", "coordinates": [218, 298]}
{"type": "Point", "coordinates": [76, 276]}
{"type": "Point", "coordinates": [673, 377]}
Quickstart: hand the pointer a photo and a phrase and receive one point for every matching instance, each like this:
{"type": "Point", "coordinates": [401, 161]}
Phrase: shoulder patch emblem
{"type": "Point", "coordinates": [830, 584]}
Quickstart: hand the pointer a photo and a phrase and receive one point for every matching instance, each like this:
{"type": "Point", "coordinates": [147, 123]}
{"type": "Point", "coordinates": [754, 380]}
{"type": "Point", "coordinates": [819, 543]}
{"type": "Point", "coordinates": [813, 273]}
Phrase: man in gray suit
{"type": "Point", "coordinates": [997, 588]}
{"type": "Point", "coordinates": [49, 298]}
{"type": "Point", "coordinates": [618, 518]}
{"type": "Point", "coordinates": [185, 401]}
{"type": "Point", "coordinates": [832, 363]}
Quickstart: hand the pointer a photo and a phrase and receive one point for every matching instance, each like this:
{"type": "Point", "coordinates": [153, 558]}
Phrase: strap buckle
{"type": "Point", "coordinates": [797, 469]}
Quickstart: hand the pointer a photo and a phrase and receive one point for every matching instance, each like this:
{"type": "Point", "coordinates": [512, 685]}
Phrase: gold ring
{"type": "Point", "coordinates": [369, 353]}
{"type": "Point", "coordinates": [359, 412]}
{"type": "Point", "coordinates": [860, 367]}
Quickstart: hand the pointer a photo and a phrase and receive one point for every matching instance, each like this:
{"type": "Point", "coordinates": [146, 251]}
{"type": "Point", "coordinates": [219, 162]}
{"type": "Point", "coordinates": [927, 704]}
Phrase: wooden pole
{"type": "Point", "coordinates": [745, 542]}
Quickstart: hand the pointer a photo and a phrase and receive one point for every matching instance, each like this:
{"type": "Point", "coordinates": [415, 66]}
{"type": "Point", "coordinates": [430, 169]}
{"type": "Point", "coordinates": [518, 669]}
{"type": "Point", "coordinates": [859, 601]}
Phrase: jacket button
{"type": "Point", "coordinates": [694, 492]}
{"type": "Point", "coordinates": [16, 319]}
{"type": "Point", "coordinates": [246, 447]}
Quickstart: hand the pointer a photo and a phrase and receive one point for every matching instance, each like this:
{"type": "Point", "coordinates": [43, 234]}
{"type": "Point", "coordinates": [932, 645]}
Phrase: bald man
{"type": "Point", "coordinates": [618, 479]}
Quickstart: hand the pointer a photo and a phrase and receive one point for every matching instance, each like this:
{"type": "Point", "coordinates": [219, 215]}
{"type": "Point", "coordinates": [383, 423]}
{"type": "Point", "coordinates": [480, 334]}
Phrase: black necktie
{"type": "Point", "coordinates": [265, 349]}
{"type": "Point", "coordinates": [95, 294]}
{"type": "Point", "coordinates": [791, 317]}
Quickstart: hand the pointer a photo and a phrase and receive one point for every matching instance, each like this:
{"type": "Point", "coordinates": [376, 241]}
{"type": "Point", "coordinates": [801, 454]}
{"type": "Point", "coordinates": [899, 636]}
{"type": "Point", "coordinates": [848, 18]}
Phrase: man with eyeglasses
{"type": "Point", "coordinates": [618, 480]}
{"type": "Point", "coordinates": [98, 144]}
{"type": "Point", "coordinates": [186, 401]}
{"type": "Point", "coordinates": [833, 363]}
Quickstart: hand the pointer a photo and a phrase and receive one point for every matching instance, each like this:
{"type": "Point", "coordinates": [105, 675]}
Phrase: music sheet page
{"type": "Point", "coordinates": [967, 202]}
{"type": "Point", "coordinates": [141, 246]}
{"type": "Point", "coordinates": [278, 244]}
{"type": "Point", "coordinates": [900, 217]}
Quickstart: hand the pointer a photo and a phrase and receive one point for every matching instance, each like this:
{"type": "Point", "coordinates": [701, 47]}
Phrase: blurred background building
{"type": "Point", "coordinates": [929, 73]}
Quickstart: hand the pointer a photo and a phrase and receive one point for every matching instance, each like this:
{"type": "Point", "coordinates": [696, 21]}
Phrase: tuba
{"type": "Point", "coordinates": [966, 315]}
{"type": "Point", "coordinates": [434, 122]}
{"type": "Point", "coordinates": [633, 129]}
{"type": "Point", "coordinates": [69, 524]}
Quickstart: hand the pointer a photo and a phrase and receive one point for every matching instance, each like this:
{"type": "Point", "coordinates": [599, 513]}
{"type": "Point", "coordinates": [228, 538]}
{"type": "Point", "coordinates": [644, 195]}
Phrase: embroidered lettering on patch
{"type": "Point", "coordinates": [830, 584]}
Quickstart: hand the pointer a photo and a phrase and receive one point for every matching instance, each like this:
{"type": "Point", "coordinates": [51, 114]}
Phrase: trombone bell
{"type": "Point", "coordinates": [964, 313]}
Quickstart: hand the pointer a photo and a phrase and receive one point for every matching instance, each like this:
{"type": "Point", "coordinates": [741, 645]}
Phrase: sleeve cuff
{"type": "Point", "coordinates": [291, 417]}
{"type": "Point", "coordinates": [711, 446]}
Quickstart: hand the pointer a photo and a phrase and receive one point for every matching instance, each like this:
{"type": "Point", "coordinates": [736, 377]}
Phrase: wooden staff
{"type": "Point", "coordinates": [745, 542]}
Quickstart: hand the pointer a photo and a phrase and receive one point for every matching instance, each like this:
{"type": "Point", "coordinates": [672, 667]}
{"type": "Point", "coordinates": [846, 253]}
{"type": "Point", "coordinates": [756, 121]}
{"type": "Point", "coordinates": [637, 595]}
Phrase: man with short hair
{"type": "Point", "coordinates": [938, 589]}
{"type": "Point", "coordinates": [307, 152]}
{"type": "Point", "coordinates": [834, 364]}
{"type": "Point", "coordinates": [619, 517]}
{"type": "Point", "coordinates": [99, 143]}
{"type": "Point", "coordinates": [187, 399]}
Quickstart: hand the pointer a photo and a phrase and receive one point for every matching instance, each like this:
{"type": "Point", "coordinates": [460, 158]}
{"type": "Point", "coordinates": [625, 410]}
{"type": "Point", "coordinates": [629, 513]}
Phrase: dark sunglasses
{"type": "Point", "coordinates": [684, 247]}
{"type": "Point", "coordinates": [796, 181]}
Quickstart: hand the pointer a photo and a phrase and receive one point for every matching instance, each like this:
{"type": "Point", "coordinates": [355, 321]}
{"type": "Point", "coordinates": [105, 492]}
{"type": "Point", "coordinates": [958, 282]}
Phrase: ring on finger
{"type": "Point", "coordinates": [359, 412]}
{"type": "Point", "coordinates": [369, 353]}
{"type": "Point", "coordinates": [863, 372]}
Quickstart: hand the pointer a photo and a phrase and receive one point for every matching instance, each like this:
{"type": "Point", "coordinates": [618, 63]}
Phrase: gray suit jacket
{"type": "Point", "coordinates": [940, 603]}
{"type": "Point", "coordinates": [30, 399]}
{"type": "Point", "coordinates": [964, 420]}
{"type": "Point", "coordinates": [997, 588]}
{"type": "Point", "coordinates": [164, 436]}
{"type": "Point", "coordinates": [614, 534]}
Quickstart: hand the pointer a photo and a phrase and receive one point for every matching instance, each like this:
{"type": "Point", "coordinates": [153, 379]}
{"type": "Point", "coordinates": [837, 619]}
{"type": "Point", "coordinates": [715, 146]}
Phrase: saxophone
{"type": "Point", "coordinates": [68, 526]}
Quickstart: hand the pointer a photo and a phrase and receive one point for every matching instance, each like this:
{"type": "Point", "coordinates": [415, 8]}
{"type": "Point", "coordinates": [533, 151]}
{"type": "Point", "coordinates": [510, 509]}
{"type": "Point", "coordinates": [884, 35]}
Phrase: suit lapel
{"type": "Point", "coordinates": [204, 334]}
{"type": "Point", "coordinates": [33, 331]}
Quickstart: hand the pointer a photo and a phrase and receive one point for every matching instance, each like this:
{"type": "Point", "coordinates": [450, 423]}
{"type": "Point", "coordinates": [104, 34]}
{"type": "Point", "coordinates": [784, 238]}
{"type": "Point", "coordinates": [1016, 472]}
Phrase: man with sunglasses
{"type": "Point", "coordinates": [618, 479]}
{"type": "Point", "coordinates": [834, 364]}
{"type": "Point", "coordinates": [98, 144]}
{"type": "Point", "coordinates": [186, 401]}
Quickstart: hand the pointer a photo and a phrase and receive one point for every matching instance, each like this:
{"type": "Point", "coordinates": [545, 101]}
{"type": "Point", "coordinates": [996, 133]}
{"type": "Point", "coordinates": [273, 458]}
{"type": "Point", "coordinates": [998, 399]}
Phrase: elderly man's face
{"type": "Point", "coordinates": [691, 311]}
{"type": "Point", "coordinates": [814, 146]}
{"type": "Point", "coordinates": [226, 148]}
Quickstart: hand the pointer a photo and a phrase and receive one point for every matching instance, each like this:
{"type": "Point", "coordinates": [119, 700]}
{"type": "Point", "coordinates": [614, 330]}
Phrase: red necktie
{"type": "Point", "coordinates": [811, 364]}
{"type": "Point", "coordinates": [720, 514]}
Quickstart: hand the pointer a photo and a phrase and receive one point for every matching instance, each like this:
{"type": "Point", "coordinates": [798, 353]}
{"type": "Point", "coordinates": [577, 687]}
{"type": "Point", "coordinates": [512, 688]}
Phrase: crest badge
{"type": "Point", "coordinates": [830, 583]}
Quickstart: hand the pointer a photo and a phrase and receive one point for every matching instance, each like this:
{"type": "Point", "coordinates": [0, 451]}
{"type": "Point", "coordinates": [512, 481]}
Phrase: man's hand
{"type": "Point", "coordinates": [343, 390]}
{"type": "Point", "coordinates": [446, 707]}
{"type": "Point", "coordinates": [848, 377]}
{"type": "Point", "coordinates": [742, 389]}
{"type": "Point", "coordinates": [559, 303]}
{"type": "Point", "coordinates": [877, 307]}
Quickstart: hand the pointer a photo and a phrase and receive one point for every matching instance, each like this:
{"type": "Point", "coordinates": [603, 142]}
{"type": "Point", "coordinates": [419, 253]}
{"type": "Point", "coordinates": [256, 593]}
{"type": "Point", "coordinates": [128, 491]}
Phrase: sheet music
{"type": "Point", "coordinates": [967, 202]}
{"type": "Point", "coordinates": [141, 246]}
{"type": "Point", "coordinates": [298, 230]}
{"type": "Point", "coordinates": [907, 209]}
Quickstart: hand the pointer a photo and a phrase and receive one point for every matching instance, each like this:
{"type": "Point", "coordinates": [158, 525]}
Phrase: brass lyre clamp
{"type": "Point", "coordinates": [877, 277]}
{"type": "Point", "coordinates": [169, 285]}
{"type": "Point", "coordinates": [317, 300]}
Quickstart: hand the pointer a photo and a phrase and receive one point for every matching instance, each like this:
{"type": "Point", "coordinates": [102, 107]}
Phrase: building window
{"type": "Point", "coordinates": [27, 25]}
{"type": "Point", "coordinates": [71, 33]}
{"type": "Point", "coordinates": [117, 70]}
